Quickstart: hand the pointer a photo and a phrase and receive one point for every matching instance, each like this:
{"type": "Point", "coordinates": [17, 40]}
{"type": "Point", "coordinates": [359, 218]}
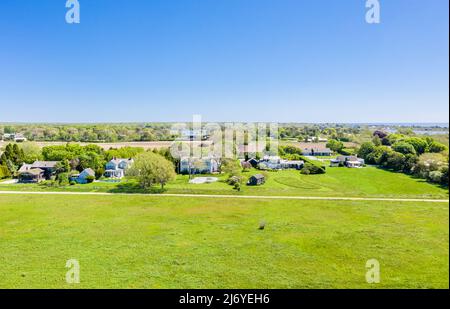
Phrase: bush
{"type": "Point", "coordinates": [99, 172]}
{"type": "Point", "coordinates": [72, 183]}
{"type": "Point", "coordinates": [4, 172]}
{"type": "Point", "coordinates": [90, 179]}
{"type": "Point", "coordinates": [436, 147]}
{"type": "Point", "coordinates": [348, 151]}
{"type": "Point", "coordinates": [395, 161]}
{"type": "Point", "coordinates": [311, 169]}
{"type": "Point", "coordinates": [366, 149]}
{"type": "Point", "coordinates": [435, 176]}
{"type": "Point", "coordinates": [305, 171]}
{"type": "Point", "coordinates": [63, 179]}
{"type": "Point", "coordinates": [335, 145]}
{"type": "Point", "coordinates": [404, 148]}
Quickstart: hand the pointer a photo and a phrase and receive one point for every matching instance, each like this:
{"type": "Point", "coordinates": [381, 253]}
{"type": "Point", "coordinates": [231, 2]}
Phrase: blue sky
{"type": "Point", "coordinates": [229, 60]}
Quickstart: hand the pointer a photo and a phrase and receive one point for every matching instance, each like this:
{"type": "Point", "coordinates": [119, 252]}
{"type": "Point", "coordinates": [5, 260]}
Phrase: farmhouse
{"type": "Point", "coordinates": [31, 176]}
{"type": "Point", "coordinates": [256, 180]}
{"type": "Point", "coordinates": [116, 167]}
{"type": "Point", "coordinates": [348, 161]}
{"type": "Point", "coordinates": [39, 170]}
{"type": "Point", "coordinates": [207, 165]}
{"type": "Point", "coordinates": [316, 151]}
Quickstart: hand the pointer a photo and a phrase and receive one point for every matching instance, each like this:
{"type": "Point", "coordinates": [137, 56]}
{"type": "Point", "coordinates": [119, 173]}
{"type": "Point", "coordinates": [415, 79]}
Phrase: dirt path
{"type": "Point", "coordinates": [326, 198]}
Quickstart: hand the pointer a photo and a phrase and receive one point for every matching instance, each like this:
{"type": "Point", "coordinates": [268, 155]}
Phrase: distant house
{"type": "Point", "coordinates": [16, 137]}
{"type": "Point", "coordinates": [191, 135]}
{"type": "Point", "coordinates": [31, 176]}
{"type": "Point", "coordinates": [348, 161]}
{"type": "Point", "coordinates": [116, 167]}
{"type": "Point", "coordinates": [48, 169]}
{"type": "Point", "coordinates": [82, 178]}
{"type": "Point", "coordinates": [314, 139]}
{"type": "Point", "coordinates": [276, 163]}
{"type": "Point", "coordinates": [208, 165]}
{"type": "Point", "coordinates": [19, 138]}
{"type": "Point", "coordinates": [256, 180]}
{"type": "Point", "coordinates": [36, 172]}
{"type": "Point", "coordinates": [316, 151]}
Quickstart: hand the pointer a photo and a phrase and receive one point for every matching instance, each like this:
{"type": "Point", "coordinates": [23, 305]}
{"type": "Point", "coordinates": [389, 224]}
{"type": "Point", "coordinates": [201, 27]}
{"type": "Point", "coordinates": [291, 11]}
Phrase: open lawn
{"type": "Point", "coordinates": [365, 182]}
{"type": "Point", "coordinates": [154, 242]}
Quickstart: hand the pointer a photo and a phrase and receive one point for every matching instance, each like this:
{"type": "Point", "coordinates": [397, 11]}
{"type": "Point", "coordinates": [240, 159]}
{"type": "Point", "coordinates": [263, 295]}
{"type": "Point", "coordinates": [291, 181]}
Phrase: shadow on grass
{"type": "Point", "coordinates": [135, 188]}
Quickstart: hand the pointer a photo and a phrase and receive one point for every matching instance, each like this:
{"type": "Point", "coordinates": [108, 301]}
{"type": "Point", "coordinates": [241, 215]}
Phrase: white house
{"type": "Point", "coordinates": [276, 163]}
{"type": "Point", "coordinates": [116, 167]}
{"type": "Point", "coordinates": [207, 165]}
{"type": "Point", "coordinates": [348, 161]}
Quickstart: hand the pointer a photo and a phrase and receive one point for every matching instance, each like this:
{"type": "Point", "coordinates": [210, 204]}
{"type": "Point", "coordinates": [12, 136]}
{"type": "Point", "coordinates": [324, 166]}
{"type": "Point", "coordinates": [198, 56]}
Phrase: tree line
{"type": "Point", "coordinates": [422, 157]}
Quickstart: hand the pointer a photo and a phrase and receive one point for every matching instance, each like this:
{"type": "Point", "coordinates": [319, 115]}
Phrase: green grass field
{"type": "Point", "coordinates": [168, 242]}
{"type": "Point", "coordinates": [344, 182]}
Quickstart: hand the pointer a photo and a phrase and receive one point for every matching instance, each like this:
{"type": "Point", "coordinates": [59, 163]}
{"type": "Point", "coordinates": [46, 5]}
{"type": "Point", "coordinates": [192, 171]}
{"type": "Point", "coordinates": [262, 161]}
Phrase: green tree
{"type": "Point", "coordinates": [404, 148]}
{"type": "Point", "coordinates": [436, 147]}
{"type": "Point", "coordinates": [365, 149]}
{"type": "Point", "coordinates": [150, 168]}
{"type": "Point", "coordinates": [395, 160]}
{"type": "Point", "coordinates": [335, 145]}
{"type": "Point", "coordinates": [419, 144]}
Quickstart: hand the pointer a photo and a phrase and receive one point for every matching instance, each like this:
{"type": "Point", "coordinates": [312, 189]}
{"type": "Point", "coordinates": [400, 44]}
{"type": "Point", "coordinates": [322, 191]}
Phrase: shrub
{"type": "Point", "coordinates": [366, 149]}
{"type": "Point", "coordinates": [4, 172]}
{"type": "Point", "coordinates": [311, 169]}
{"type": "Point", "coordinates": [90, 179]}
{"type": "Point", "coordinates": [435, 176]}
{"type": "Point", "coordinates": [404, 148]}
{"type": "Point", "coordinates": [335, 145]}
{"type": "Point", "coordinates": [305, 171]}
{"type": "Point", "coordinates": [347, 151]}
{"type": "Point", "coordinates": [419, 144]}
{"type": "Point", "coordinates": [395, 161]}
{"type": "Point", "coordinates": [63, 179]}
{"type": "Point", "coordinates": [436, 147]}
{"type": "Point", "coordinates": [99, 172]}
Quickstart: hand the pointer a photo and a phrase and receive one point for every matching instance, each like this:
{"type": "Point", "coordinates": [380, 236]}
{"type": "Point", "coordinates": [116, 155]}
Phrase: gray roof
{"type": "Point", "coordinates": [258, 176]}
{"type": "Point", "coordinates": [44, 164]}
{"type": "Point", "coordinates": [317, 149]}
{"type": "Point", "coordinates": [34, 171]}
{"type": "Point", "coordinates": [25, 167]}
{"type": "Point", "coordinates": [89, 171]}
{"type": "Point", "coordinates": [117, 161]}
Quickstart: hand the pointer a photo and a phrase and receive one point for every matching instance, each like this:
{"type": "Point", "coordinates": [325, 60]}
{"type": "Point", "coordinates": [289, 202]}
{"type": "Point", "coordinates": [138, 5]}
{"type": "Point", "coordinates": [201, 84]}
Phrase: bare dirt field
{"type": "Point", "coordinates": [106, 146]}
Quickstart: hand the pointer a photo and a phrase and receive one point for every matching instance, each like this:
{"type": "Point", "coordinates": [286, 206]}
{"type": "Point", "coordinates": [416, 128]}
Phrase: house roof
{"type": "Point", "coordinates": [117, 161]}
{"type": "Point", "coordinates": [347, 158]}
{"type": "Point", "coordinates": [44, 164]}
{"type": "Point", "coordinates": [25, 167]}
{"type": "Point", "coordinates": [34, 171]}
{"type": "Point", "coordinates": [316, 149]}
{"type": "Point", "coordinates": [258, 176]}
{"type": "Point", "coordinates": [89, 171]}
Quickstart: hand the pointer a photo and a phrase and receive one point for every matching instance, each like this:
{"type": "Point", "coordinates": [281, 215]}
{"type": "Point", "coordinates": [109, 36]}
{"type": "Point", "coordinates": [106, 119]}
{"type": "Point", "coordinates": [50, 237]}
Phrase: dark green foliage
{"type": "Point", "coordinates": [365, 150]}
{"type": "Point", "coordinates": [4, 172]}
{"type": "Point", "coordinates": [312, 169]}
{"type": "Point", "coordinates": [404, 148]}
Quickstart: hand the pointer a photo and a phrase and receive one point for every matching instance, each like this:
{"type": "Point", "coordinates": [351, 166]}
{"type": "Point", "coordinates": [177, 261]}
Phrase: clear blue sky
{"type": "Point", "coordinates": [229, 60]}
